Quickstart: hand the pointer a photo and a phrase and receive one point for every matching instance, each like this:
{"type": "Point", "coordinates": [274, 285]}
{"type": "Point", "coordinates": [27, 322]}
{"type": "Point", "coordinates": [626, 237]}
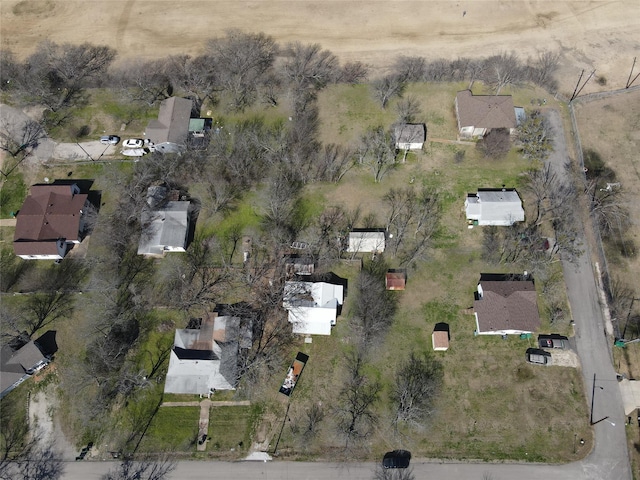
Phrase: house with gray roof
{"type": "Point", "coordinates": [170, 131]}
{"type": "Point", "coordinates": [205, 358]}
{"type": "Point", "coordinates": [479, 114]}
{"type": "Point", "coordinates": [506, 304]}
{"type": "Point", "coordinates": [366, 240]}
{"type": "Point", "coordinates": [17, 366]}
{"type": "Point", "coordinates": [165, 223]}
{"type": "Point", "coordinates": [500, 207]}
{"type": "Point", "coordinates": [410, 136]}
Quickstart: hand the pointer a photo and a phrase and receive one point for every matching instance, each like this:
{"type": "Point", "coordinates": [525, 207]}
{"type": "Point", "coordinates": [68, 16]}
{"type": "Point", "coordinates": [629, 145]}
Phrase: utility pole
{"type": "Point", "coordinates": [629, 80]}
{"type": "Point", "coordinates": [577, 90]}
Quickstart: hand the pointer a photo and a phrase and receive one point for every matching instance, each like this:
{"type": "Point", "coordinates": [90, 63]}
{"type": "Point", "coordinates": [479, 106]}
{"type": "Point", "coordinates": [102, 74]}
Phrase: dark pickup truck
{"type": "Point", "coordinates": [553, 341]}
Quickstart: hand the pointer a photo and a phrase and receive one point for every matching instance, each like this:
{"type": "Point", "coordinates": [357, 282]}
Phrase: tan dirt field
{"type": "Point", "coordinates": [604, 35]}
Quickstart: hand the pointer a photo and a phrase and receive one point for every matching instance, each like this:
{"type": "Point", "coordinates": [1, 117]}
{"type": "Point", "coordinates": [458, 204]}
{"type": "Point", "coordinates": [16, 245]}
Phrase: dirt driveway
{"type": "Point", "coordinates": [597, 34]}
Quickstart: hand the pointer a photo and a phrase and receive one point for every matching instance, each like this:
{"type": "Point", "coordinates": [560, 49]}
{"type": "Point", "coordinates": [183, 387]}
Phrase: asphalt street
{"type": "Point", "coordinates": [609, 459]}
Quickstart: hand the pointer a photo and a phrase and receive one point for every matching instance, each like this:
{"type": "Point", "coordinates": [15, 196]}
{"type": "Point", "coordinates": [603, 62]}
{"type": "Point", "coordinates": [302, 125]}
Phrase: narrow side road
{"type": "Point", "coordinates": [609, 459]}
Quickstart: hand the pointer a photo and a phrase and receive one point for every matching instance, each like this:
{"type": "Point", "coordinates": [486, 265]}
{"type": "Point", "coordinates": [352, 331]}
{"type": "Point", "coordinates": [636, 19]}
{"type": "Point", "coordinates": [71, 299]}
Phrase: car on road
{"type": "Point", "coordinates": [133, 143]}
{"type": "Point", "coordinates": [396, 459]}
{"type": "Point", "coordinates": [109, 139]}
{"type": "Point", "coordinates": [135, 152]}
{"type": "Point", "coordinates": [553, 341]}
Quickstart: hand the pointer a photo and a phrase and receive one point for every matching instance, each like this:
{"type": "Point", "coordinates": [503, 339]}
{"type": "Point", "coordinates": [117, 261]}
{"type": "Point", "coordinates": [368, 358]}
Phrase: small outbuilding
{"type": "Point", "coordinates": [440, 337]}
{"type": "Point", "coordinates": [366, 240]}
{"type": "Point", "coordinates": [395, 279]}
{"type": "Point", "coordinates": [410, 136]}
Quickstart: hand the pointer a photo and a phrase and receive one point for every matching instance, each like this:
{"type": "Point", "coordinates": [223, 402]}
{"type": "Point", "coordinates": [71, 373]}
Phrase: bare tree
{"type": "Point", "coordinates": [333, 162]}
{"type": "Point", "coordinates": [44, 463]}
{"type": "Point", "coordinates": [354, 409]}
{"type": "Point", "coordinates": [196, 278]}
{"type": "Point", "coordinates": [308, 66]}
{"type": "Point", "coordinates": [410, 69]}
{"type": "Point", "coordinates": [413, 219]}
{"type": "Point", "coordinates": [197, 77]}
{"type": "Point", "coordinates": [144, 81]}
{"type": "Point", "coordinates": [385, 88]}
{"type": "Point", "coordinates": [502, 70]}
{"type": "Point", "coordinates": [16, 443]}
{"type": "Point", "coordinates": [408, 109]}
{"type": "Point", "coordinates": [18, 139]}
{"type": "Point", "coordinates": [353, 72]}
{"type": "Point", "coordinates": [145, 468]}
{"type": "Point", "coordinates": [374, 306]}
{"type": "Point", "coordinates": [56, 74]}
{"type": "Point", "coordinates": [418, 381]}
{"type": "Point", "coordinates": [496, 144]}
{"type": "Point", "coordinates": [542, 67]}
{"type": "Point", "coordinates": [377, 150]}
{"type": "Point", "coordinates": [242, 60]}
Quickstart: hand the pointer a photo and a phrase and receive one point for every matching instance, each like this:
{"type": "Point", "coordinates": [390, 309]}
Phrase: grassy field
{"type": "Point", "coordinates": [611, 127]}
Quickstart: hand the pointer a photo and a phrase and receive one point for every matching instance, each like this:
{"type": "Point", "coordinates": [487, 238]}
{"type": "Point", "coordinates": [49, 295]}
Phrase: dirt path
{"type": "Point", "coordinates": [598, 34]}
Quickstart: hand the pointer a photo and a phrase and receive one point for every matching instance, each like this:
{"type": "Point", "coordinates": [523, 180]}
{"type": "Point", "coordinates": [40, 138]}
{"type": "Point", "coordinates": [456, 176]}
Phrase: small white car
{"type": "Point", "coordinates": [109, 139]}
{"type": "Point", "coordinates": [135, 152]}
{"type": "Point", "coordinates": [133, 143]}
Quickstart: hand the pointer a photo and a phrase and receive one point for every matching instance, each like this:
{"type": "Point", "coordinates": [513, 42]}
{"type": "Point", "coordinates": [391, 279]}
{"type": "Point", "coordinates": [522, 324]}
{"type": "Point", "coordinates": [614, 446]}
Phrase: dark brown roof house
{"type": "Point", "coordinates": [50, 221]}
{"type": "Point", "coordinates": [506, 304]}
{"type": "Point", "coordinates": [478, 114]}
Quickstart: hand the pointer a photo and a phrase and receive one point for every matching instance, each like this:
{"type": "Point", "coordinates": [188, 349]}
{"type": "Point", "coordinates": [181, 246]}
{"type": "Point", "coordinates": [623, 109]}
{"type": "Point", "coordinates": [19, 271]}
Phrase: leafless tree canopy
{"type": "Point", "coordinates": [56, 74]}
{"type": "Point", "coordinates": [147, 469]}
{"type": "Point", "coordinates": [388, 87]}
{"type": "Point", "coordinates": [354, 408]}
{"type": "Point", "coordinates": [378, 151]}
{"type": "Point", "coordinates": [242, 59]}
{"type": "Point", "coordinates": [496, 144]}
{"type": "Point", "coordinates": [413, 218]}
{"type": "Point", "coordinates": [418, 380]}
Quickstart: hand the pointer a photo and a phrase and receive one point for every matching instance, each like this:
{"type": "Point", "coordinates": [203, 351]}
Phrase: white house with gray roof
{"type": "Point", "coordinates": [312, 306]}
{"type": "Point", "coordinates": [501, 207]}
{"type": "Point", "coordinates": [205, 359]}
{"type": "Point", "coordinates": [165, 224]}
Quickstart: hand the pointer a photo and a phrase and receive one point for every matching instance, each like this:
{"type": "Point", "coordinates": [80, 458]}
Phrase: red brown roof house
{"type": "Point", "coordinates": [50, 221]}
{"type": "Point", "coordinates": [478, 114]}
{"type": "Point", "coordinates": [506, 304]}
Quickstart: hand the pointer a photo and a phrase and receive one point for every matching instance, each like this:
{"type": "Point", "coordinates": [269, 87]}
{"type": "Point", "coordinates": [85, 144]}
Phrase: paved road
{"type": "Point", "coordinates": [609, 458]}
{"type": "Point", "coordinates": [333, 471]}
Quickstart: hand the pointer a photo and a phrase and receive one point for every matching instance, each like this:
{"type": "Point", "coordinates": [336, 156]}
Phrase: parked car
{"type": "Point", "coordinates": [109, 139]}
{"type": "Point", "coordinates": [135, 152]}
{"type": "Point", "coordinates": [133, 143]}
{"type": "Point", "coordinates": [202, 439]}
{"type": "Point", "coordinates": [396, 459]}
{"type": "Point", "coordinates": [553, 341]}
{"type": "Point", "coordinates": [538, 356]}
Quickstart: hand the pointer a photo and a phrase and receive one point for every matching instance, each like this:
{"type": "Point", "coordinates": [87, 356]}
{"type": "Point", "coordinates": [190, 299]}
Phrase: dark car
{"type": "Point", "coordinates": [396, 459]}
{"type": "Point", "coordinates": [553, 341]}
{"type": "Point", "coordinates": [202, 439]}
